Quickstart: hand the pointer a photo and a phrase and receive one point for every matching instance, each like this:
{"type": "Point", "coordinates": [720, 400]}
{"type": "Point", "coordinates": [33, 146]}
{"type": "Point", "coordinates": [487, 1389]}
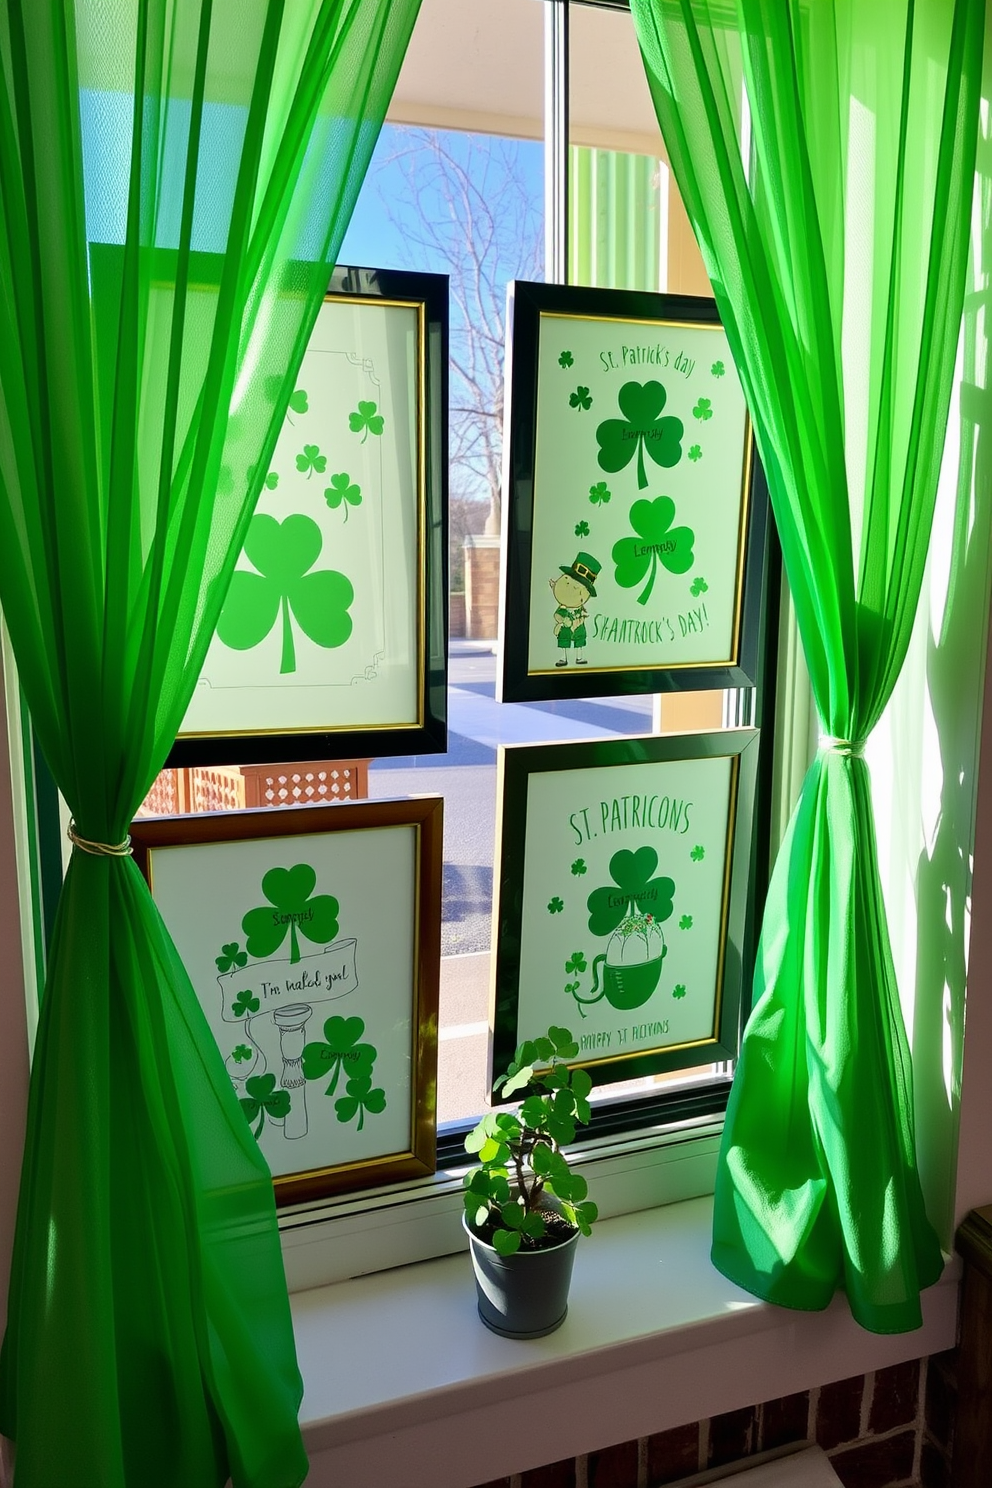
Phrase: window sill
{"type": "Point", "coordinates": [406, 1389]}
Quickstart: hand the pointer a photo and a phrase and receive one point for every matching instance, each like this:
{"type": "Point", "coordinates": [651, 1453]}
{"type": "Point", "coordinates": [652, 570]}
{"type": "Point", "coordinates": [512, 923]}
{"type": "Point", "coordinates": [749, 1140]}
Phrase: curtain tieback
{"type": "Point", "coordinates": [853, 748]}
{"type": "Point", "coordinates": [99, 849]}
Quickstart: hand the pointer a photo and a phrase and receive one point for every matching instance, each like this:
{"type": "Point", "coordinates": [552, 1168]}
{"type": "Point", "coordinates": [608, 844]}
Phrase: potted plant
{"type": "Point", "coordinates": [524, 1207]}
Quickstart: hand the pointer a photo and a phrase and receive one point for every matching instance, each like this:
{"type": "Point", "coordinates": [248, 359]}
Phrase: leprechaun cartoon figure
{"type": "Point", "coordinates": [571, 589]}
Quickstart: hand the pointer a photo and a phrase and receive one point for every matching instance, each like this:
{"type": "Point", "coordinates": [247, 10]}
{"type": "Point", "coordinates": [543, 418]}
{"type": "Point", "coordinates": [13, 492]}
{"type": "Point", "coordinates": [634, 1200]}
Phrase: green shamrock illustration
{"type": "Point", "coordinates": [685, 923]}
{"type": "Point", "coordinates": [698, 853]}
{"type": "Point", "coordinates": [288, 891]}
{"type": "Point", "coordinates": [600, 492]}
{"type": "Point", "coordinates": [638, 891]}
{"type": "Point", "coordinates": [575, 962]}
{"type": "Point", "coordinates": [365, 417]}
{"type": "Point", "coordinates": [703, 410]}
{"type": "Point", "coordinates": [718, 369]}
{"type": "Point", "coordinates": [695, 453]}
{"type": "Point", "coordinates": [261, 1097]}
{"type": "Point", "coordinates": [571, 988]}
{"type": "Point", "coordinates": [298, 402]}
{"type": "Point", "coordinates": [360, 1098]}
{"type": "Point", "coordinates": [272, 480]}
{"type": "Point", "coordinates": [582, 529]}
{"type": "Point", "coordinates": [641, 427]}
{"type": "Point", "coordinates": [698, 586]}
{"type": "Point", "coordinates": [341, 1050]}
{"type": "Point", "coordinates": [240, 1053]}
{"type": "Point", "coordinates": [231, 956]}
{"type": "Point", "coordinates": [555, 905]}
{"type": "Point", "coordinates": [311, 459]}
{"type": "Point", "coordinates": [579, 867]}
{"type": "Point", "coordinates": [342, 492]}
{"type": "Point", "coordinates": [283, 553]}
{"type": "Point", "coordinates": [246, 1002]}
{"type": "Point", "coordinates": [657, 542]}
{"type": "Point", "coordinates": [581, 398]}
{"type": "Point", "coordinates": [678, 990]}
{"type": "Point", "coordinates": [566, 359]}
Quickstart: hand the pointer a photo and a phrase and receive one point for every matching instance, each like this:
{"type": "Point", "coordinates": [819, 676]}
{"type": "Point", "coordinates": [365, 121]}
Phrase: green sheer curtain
{"type": "Point", "coordinates": [176, 177]}
{"type": "Point", "coordinates": [837, 255]}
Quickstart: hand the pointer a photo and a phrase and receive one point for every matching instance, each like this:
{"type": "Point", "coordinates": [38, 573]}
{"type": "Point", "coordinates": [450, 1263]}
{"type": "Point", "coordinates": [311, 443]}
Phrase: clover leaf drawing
{"type": "Point", "coordinates": [641, 428]}
{"type": "Point", "coordinates": [298, 401]}
{"type": "Point", "coordinates": [698, 853]}
{"type": "Point", "coordinates": [600, 492]}
{"type": "Point", "coordinates": [261, 1097]}
{"type": "Point", "coordinates": [579, 867]}
{"type": "Point", "coordinates": [343, 492]}
{"type": "Point", "coordinates": [698, 586]}
{"type": "Point", "coordinates": [703, 410]}
{"type": "Point", "coordinates": [638, 890]}
{"type": "Point", "coordinates": [365, 417]}
{"type": "Point", "coordinates": [718, 369]}
{"type": "Point", "coordinates": [272, 480]}
{"type": "Point", "coordinates": [291, 908]}
{"type": "Point", "coordinates": [283, 553]}
{"type": "Point", "coordinates": [555, 905]}
{"type": "Point", "coordinates": [685, 922]}
{"type": "Point", "coordinates": [575, 962]}
{"type": "Point", "coordinates": [359, 1099]}
{"type": "Point", "coordinates": [678, 990]}
{"type": "Point", "coordinates": [566, 359]}
{"type": "Point", "coordinates": [695, 453]}
{"type": "Point", "coordinates": [657, 541]}
{"type": "Point", "coordinates": [581, 398]}
{"type": "Point", "coordinates": [340, 1050]}
{"type": "Point", "coordinates": [231, 956]}
{"type": "Point", "coordinates": [311, 459]}
{"type": "Point", "coordinates": [240, 1053]}
{"type": "Point", "coordinates": [246, 1003]}
{"type": "Point", "coordinates": [571, 988]}
{"type": "Point", "coordinates": [582, 529]}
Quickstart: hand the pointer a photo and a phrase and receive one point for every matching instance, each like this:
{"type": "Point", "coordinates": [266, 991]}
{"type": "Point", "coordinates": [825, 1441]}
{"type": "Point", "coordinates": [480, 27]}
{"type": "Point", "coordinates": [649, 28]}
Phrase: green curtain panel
{"type": "Point", "coordinates": [176, 177]}
{"type": "Point", "coordinates": [825, 150]}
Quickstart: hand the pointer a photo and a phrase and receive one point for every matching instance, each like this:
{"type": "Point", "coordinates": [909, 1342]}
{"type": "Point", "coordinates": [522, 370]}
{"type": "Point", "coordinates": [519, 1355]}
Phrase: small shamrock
{"type": "Point", "coordinates": [555, 905]}
{"type": "Point", "coordinates": [240, 1053]}
{"type": "Point", "coordinates": [341, 1051]}
{"type": "Point", "coordinates": [695, 453]}
{"type": "Point", "coordinates": [718, 369]}
{"type": "Point", "coordinates": [298, 402]}
{"type": "Point", "coordinates": [231, 956]}
{"type": "Point", "coordinates": [698, 586]}
{"type": "Point", "coordinates": [600, 492]}
{"type": "Point", "coordinates": [575, 962]}
{"type": "Point", "coordinates": [272, 480]}
{"type": "Point", "coordinates": [642, 429]}
{"type": "Point", "coordinates": [359, 1099]}
{"type": "Point", "coordinates": [246, 1003]}
{"type": "Point", "coordinates": [657, 541]}
{"type": "Point", "coordinates": [311, 459]}
{"type": "Point", "coordinates": [566, 359]}
{"type": "Point", "coordinates": [290, 894]}
{"type": "Point", "coordinates": [579, 867]}
{"type": "Point", "coordinates": [342, 492]}
{"type": "Point", "coordinates": [703, 410]}
{"type": "Point", "coordinates": [581, 398]}
{"type": "Point", "coordinates": [698, 853]}
{"type": "Point", "coordinates": [571, 988]}
{"type": "Point", "coordinates": [678, 990]}
{"type": "Point", "coordinates": [365, 417]}
{"type": "Point", "coordinates": [582, 529]}
{"type": "Point", "coordinates": [685, 923]}
{"type": "Point", "coordinates": [261, 1096]}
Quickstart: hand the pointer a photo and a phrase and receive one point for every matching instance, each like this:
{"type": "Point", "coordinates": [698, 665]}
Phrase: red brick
{"type": "Point", "coordinates": [941, 1400]}
{"type": "Point", "coordinates": [838, 1415]}
{"type": "Point", "coordinates": [551, 1475]}
{"type": "Point", "coordinates": [895, 1397]}
{"type": "Point", "coordinates": [733, 1435]}
{"type": "Point", "coordinates": [673, 1454]}
{"type": "Point", "coordinates": [785, 1420]}
{"type": "Point", "coordinates": [876, 1464]}
{"type": "Point", "coordinates": [613, 1467]}
{"type": "Point", "coordinates": [935, 1471]}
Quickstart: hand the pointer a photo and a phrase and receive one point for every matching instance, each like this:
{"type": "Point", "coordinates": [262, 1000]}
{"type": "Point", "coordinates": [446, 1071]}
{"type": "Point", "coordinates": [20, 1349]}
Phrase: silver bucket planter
{"type": "Point", "coordinates": [523, 1295]}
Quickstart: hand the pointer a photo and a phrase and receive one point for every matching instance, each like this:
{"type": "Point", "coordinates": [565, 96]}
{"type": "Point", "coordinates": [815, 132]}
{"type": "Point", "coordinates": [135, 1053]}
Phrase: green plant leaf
{"type": "Point", "coordinates": [506, 1242]}
{"type": "Point", "coordinates": [366, 418]}
{"type": "Point", "coordinates": [290, 893]}
{"type": "Point", "coordinates": [310, 459]}
{"type": "Point", "coordinates": [641, 428]}
{"type": "Point", "coordinates": [512, 1215]}
{"type": "Point", "coordinates": [581, 1083]}
{"type": "Point", "coordinates": [657, 541]}
{"type": "Point", "coordinates": [533, 1225]}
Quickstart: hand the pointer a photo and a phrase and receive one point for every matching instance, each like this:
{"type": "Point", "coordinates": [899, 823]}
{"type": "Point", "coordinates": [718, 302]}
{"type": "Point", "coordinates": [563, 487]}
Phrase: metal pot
{"type": "Point", "coordinates": [523, 1295]}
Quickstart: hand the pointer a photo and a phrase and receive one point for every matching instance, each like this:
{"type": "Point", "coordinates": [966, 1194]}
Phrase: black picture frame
{"type": "Point", "coordinates": [513, 967]}
{"type": "Point", "coordinates": [427, 733]}
{"type": "Point", "coordinates": [528, 305]}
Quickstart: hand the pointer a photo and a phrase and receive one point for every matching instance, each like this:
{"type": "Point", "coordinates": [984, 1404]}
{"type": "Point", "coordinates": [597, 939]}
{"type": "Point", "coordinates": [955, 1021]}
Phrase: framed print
{"type": "Point", "coordinates": [623, 898]}
{"type": "Point", "coordinates": [312, 938]}
{"type": "Point", "coordinates": [333, 637]}
{"type": "Point", "coordinates": [634, 507]}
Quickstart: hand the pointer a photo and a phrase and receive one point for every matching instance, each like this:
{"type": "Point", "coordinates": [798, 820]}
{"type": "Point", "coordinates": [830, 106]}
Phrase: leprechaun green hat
{"type": "Point", "coordinates": [585, 569]}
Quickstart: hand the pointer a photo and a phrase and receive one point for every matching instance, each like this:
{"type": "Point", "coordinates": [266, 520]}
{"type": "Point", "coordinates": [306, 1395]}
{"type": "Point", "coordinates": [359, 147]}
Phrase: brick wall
{"type": "Point", "coordinates": [889, 1429]}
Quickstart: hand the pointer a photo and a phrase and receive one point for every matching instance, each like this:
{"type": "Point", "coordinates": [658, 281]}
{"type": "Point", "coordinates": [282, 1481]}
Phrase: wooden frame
{"type": "Point", "coordinates": [599, 488]}
{"type": "Point", "coordinates": [238, 890]}
{"type": "Point", "coordinates": [618, 836]}
{"type": "Point", "coordinates": [356, 498]}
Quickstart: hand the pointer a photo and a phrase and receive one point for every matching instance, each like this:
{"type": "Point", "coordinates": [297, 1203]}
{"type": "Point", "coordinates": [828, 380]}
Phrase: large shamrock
{"type": "Point", "coordinates": [262, 1096]}
{"type": "Point", "coordinates": [640, 428]}
{"type": "Point", "coordinates": [283, 552]}
{"type": "Point", "coordinates": [657, 541]}
{"type": "Point", "coordinates": [342, 1050]}
{"type": "Point", "coordinates": [631, 873]}
{"type": "Point", "coordinates": [291, 908]}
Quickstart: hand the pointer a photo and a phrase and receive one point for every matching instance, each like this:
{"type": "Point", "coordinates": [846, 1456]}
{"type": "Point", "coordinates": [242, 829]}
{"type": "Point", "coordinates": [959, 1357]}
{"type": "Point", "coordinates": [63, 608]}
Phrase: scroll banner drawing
{"type": "Point", "coordinates": [322, 977]}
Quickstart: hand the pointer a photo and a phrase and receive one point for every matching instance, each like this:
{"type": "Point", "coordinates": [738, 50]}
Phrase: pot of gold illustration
{"type": "Point", "coordinates": [630, 911]}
